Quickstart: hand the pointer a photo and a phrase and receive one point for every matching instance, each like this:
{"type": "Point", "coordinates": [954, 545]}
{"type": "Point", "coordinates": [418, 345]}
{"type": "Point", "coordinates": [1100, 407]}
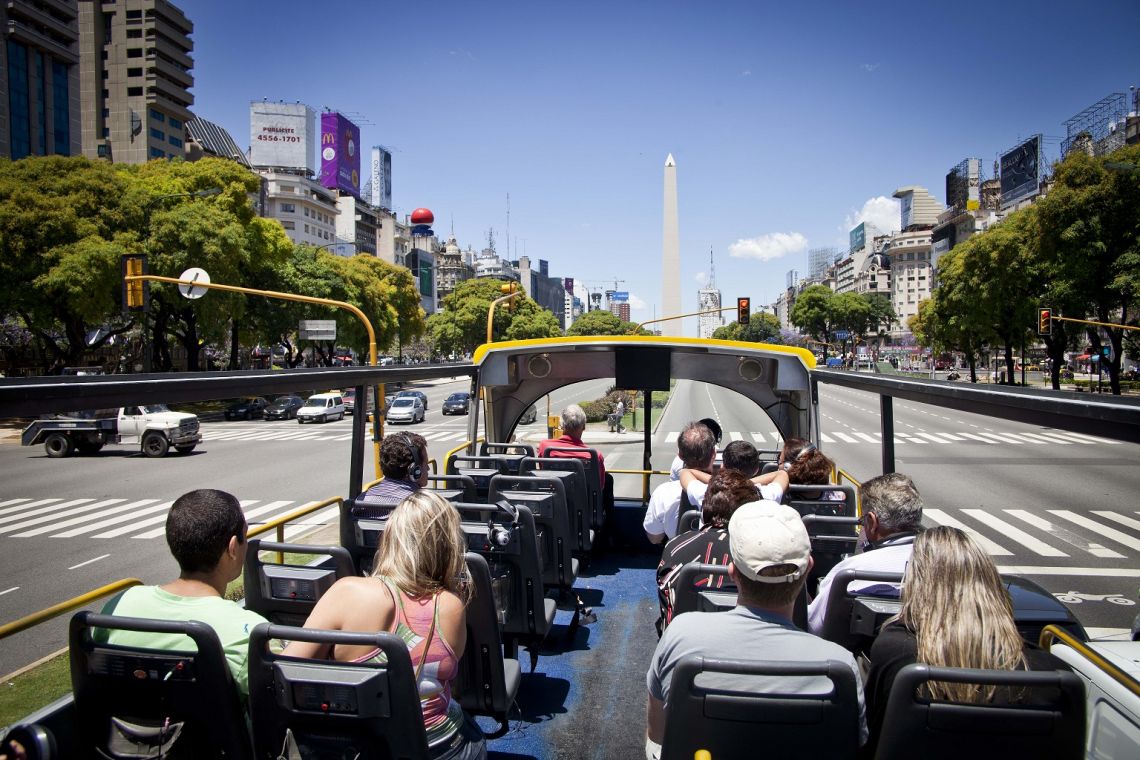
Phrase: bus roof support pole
{"type": "Point", "coordinates": [359, 417]}
{"type": "Point", "coordinates": [647, 433]}
{"type": "Point", "coordinates": [887, 421]}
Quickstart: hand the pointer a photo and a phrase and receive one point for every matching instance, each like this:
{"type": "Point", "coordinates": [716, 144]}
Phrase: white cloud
{"type": "Point", "coordinates": [635, 303]}
{"type": "Point", "coordinates": [881, 211]}
{"type": "Point", "coordinates": [870, 66]}
{"type": "Point", "coordinates": [773, 245]}
{"type": "Point", "coordinates": [701, 278]}
{"type": "Point", "coordinates": [746, 73]}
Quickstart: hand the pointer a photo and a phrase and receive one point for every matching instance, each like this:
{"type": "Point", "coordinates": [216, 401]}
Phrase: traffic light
{"type": "Point", "coordinates": [136, 293]}
{"type": "Point", "coordinates": [743, 310]}
{"type": "Point", "coordinates": [510, 288]}
{"type": "Point", "coordinates": [1044, 321]}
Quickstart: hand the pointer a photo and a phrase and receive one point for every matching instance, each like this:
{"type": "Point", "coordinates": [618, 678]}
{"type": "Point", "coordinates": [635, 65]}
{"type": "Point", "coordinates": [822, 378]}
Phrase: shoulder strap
{"type": "Point", "coordinates": [427, 641]}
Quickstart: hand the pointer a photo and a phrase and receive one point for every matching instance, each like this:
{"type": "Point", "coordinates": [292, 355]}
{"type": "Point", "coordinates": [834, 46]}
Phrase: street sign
{"type": "Point", "coordinates": [842, 334]}
{"type": "Point", "coordinates": [197, 275]}
{"type": "Point", "coordinates": [318, 329]}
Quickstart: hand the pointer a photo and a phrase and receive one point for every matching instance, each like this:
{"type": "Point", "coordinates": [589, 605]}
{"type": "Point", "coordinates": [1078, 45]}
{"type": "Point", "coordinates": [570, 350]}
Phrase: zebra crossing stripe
{"type": "Point", "coordinates": [1063, 534]}
{"type": "Point", "coordinates": [1038, 438]}
{"type": "Point", "coordinates": [131, 518]}
{"type": "Point", "coordinates": [35, 508]}
{"type": "Point", "coordinates": [22, 507]}
{"type": "Point", "coordinates": [320, 519]}
{"type": "Point", "coordinates": [932, 437]}
{"type": "Point", "coordinates": [1000, 437]}
{"type": "Point", "coordinates": [735, 436]}
{"type": "Point", "coordinates": [908, 438]}
{"type": "Point", "coordinates": [867, 438]}
{"type": "Point", "coordinates": [825, 438]}
{"type": "Point", "coordinates": [976, 437]}
{"type": "Point", "coordinates": [1003, 528]}
{"type": "Point", "coordinates": [846, 438]}
{"type": "Point", "coordinates": [942, 518]}
{"type": "Point", "coordinates": [10, 502]}
{"type": "Point", "coordinates": [48, 514]}
{"type": "Point", "coordinates": [672, 437]}
{"type": "Point", "coordinates": [1066, 438]}
{"type": "Point", "coordinates": [1092, 439]}
{"type": "Point", "coordinates": [1122, 519]}
{"type": "Point", "coordinates": [1110, 533]}
{"type": "Point", "coordinates": [162, 518]}
{"type": "Point", "coordinates": [759, 438]}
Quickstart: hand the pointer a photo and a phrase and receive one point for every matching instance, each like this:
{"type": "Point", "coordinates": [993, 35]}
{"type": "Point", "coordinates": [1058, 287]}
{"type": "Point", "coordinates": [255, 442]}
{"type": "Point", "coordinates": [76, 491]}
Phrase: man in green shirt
{"type": "Point", "coordinates": [205, 531]}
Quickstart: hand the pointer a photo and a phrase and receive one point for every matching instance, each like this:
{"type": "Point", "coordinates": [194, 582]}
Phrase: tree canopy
{"type": "Point", "coordinates": [461, 325]}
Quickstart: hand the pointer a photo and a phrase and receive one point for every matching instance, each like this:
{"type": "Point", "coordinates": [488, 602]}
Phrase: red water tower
{"type": "Point", "coordinates": [423, 216]}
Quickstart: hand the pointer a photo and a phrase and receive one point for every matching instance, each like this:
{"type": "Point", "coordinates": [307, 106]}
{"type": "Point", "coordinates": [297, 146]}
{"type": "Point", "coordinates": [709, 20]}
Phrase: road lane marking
{"type": "Point", "coordinates": [1103, 572]}
{"type": "Point", "coordinates": [1038, 438]}
{"type": "Point", "coordinates": [933, 437]}
{"type": "Point", "coordinates": [1122, 519]}
{"type": "Point", "coordinates": [735, 436]}
{"type": "Point", "coordinates": [34, 504]}
{"type": "Point", "coordinates": [1063, 534]}
{"type": "Point", "coordinates": [672, 437]}
{"type": "Point", "coordinates": [88, 562]}
{"type": "Point", "coordinates": [825, 438]}
{"type": "Point", "coordinates": [10, 502]}
{"type": "Point", "coordinates": [846, 438]}
{"type": "Point", "coordinates": [9, 590]}
{"type": "Point", "coordinates": [1110, 533]}
{"type": "Point", "coordinates": [1003, 528]}
{"type": "Point", "coordinates": [1092, 439]}
{"type": "Point", "coordinates": [131, 518]}
{"type": "Point", "coordinates": [942, 518]}
{"type": "Point", "coordinates": [49, 509]}
{"type": "Point", "coordinates": [976, 437]}
{"type": "Point", "coordinates": [868, 438]}
{"type": "Point", "coordinates": [162, 519]}
{"type": "Point", "coordinates": [48, 514]}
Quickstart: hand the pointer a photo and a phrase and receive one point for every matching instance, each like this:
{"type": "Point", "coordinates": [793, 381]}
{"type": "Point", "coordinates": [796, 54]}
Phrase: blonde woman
{"type": "Point", "coordinates": [955, 613]}
{"type": "Point", "coordinates": [417, 591]}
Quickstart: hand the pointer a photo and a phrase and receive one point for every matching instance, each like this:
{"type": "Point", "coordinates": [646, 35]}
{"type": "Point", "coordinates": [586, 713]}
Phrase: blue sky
{"type": "Point", "coordinates": [789, 122]}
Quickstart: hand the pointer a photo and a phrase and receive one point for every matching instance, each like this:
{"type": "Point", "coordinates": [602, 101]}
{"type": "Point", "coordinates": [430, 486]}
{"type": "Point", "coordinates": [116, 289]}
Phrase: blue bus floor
{"type": "Point", "coordinates": [586, 698]}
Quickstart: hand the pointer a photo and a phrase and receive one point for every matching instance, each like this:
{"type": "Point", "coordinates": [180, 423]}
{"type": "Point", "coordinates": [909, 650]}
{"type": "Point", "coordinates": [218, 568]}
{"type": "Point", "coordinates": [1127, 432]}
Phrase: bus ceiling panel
{"type": "Point", "coordinates": [1112, 417]}
{"type": "Point", "coordinates": [29, 397]}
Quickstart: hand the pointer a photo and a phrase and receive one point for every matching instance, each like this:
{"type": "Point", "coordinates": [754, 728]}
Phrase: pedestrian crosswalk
{"type": "Point", "coordinates": [309, 434]}
{"type": "Point", "coordinates": [1042, 438]}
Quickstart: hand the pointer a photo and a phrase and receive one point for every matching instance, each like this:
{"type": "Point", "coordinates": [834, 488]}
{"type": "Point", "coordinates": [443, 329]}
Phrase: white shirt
{"type": "Point", "coordinates": [697, 489]}
{"type": "Point", "coordinates": [662, 513]}
{"type": "Point", "coordinates": [885, 559]}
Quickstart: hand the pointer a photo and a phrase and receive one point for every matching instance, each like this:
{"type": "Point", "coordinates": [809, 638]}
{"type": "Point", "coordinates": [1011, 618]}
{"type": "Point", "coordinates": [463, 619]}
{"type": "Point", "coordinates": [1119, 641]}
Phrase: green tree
{"type": "Point", "coordinates": [956, 322]}
{"type": "Point", "coordinates": [597, 322]}
{"type": "Point", "coordinates": [385, 293]}
{"type": "Point", "coordinates": [882, 313]}
{"type": "Point", "coordinates": [812, 312]}
{"type": "Point", "coordinates": [462, 324]}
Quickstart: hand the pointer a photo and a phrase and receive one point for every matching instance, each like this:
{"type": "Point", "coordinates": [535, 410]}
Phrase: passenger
{"type": "Point", "coordinates": [679, 464]}
{"type": "Point", "coordinates": [205, 530]}
{"type": "Point", "coordinates": [404, 463]}
{"type": "Point", "coordinates": [417, 591]}
{"type": "Point", "coordinates": [892, 518]}
{"type": "Point", "coordinates": [697, 448]}
{"type": "Point", "coordinates": [743, 457]}
{"type": "Point", "coordinates": [727, 490]}
{"type": "Point", "coordinates": [770, 560]}
{"type": "Point", "coordinates": [955, 613]}
{"type": "Point", "coordinates": [573, 425]}
{"type": "Point", "coordinates": [806, 465]}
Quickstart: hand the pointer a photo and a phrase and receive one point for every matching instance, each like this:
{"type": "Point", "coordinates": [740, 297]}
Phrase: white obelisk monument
{"type": "Point", "coordinates": [670, 254]}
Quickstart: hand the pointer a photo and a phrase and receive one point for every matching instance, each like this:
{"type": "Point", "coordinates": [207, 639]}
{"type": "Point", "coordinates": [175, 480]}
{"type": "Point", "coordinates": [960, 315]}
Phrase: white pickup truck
{"type": "Point", "coordinates": [153, 427]}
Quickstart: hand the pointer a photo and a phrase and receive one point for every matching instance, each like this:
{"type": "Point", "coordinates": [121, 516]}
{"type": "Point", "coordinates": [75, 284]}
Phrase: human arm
{"type": "Point", "coordinates": [779, 477]}
{"type": "Point", "coordinates": [655, 720]}
{"type": "Point", "coordinates": [689, 476]}
{"type": "Point", "coordinates": [352, 604]}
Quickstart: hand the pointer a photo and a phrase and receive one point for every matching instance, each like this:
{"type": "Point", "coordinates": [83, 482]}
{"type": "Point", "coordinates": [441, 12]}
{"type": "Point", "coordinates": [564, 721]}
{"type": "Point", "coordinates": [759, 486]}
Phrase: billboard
{"type": "Point", "coordinates": [621, 296]}
{"type": "Point", "coordinates": [283, 135]}
{"type": "Point", "coordinates": [381, 178]}
{"type": "Point", "coordinates": [1021, 171]}
{"type": "Point", "coordinates": [858, 237]}
{"type": "Point", "coordinates": [340, 154]}
{"type": "Point", "coordinates": [568, 285]}
{"type": "Point", "coordinates": [963, 185]}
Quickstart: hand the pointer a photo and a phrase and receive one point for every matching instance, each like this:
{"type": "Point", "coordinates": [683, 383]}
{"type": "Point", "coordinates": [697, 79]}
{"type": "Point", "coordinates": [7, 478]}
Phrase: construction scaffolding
{"type": "Point", "coordinates": [1099, 129]}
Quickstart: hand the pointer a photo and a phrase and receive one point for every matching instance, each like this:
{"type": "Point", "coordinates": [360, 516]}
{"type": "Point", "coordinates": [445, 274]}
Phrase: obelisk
{"type": "Point", "coordinates": [670, 254]}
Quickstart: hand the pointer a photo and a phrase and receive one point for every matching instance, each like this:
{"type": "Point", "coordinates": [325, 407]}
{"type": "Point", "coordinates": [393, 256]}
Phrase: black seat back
{"type": "Point", "coordinates": [742, 721]}
{"type": "Point", "coordinates": [479, 468]}
{"type": "Point", "coordinates": [853, 619]}
{"type": "Point", "coordinates": [486, 683]}
{"type": "Point", "coordinates": [361, 523]}
{"type": "Point", "coordinates": [719, 592]}
{"type": "Point", "coordinates": [572, 472]}
{"type": "Point", "coordinates": [286, 594]}
{"type": "Point", "coordinates": [915, 726]}
{"type": "Point", "coordinates": [453, 487]}
{"type": "Point", "coordinates": [546, 498]}
{"type": "Point", "coordinates": [690, 520]}
{"type": "Point", "coordinates": [822, 500]}
{"type": "Point", "coordinates": [369, 711]}
{"type": "Point", "coordinates": [594, 485]}
{"type": "Point", "coordinates": [37, 742]}
{"type": "Point", "coordinates": [155, 688]}
{"type": "Point", "coordinates": [832, 539]}
{"type": "Point", "coordinates": [511, 453]}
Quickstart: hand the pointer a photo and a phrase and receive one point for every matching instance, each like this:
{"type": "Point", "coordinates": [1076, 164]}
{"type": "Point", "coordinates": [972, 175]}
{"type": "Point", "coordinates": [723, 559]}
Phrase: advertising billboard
{"type": "Point", "coordinates": [340, 154]}
{"type": "Point", "coordinates": [858, 236]}
{"type": "Point", "coordinates": [568, 285]}
{"type": "Point", "coordinates": [381, 178]}
{"type": "Point", "coordinates": [620, 296]}
{"type": "Point", "coordinates": [1021, 171]}
{"type": "Point", "coordinates": [963, 185]}
{"type": "Point", "coordinates": [283, 135]}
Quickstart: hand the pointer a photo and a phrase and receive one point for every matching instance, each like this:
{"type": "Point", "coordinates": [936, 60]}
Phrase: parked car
{"type": "Point", "coordinates": [418, 394]}
{"type": "Point", "coordinates": [350, 400]}
{"type": "Point", "coordinates": [457, 403]}
{"type": "Point", "coordinates": [246, 409]}
{"type": "Point", "coordinates": [405, 409]}
{"type": "Point", "coordinates": [322, 407]}
{"type": "Point", "coordinates": [284, 408]}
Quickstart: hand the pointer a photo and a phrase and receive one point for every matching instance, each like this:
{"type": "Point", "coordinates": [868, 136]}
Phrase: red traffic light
{"type": "Point", "coordinates": [1044, 321]}
{"type": "Point", "coordinates": [743, 310]}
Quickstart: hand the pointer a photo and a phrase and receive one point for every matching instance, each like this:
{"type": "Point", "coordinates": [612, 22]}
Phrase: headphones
{"type": "Point", "coordinates": [807, 449]}
{"type": "Point", "coordinates": [416, 470]}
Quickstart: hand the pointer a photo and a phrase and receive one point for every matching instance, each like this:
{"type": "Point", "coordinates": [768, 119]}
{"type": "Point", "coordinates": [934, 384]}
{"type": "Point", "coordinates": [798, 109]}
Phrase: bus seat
{"type": "Point", "coordinates": [572, 471]}
{"type": "Point", "coordinates": [369, 711]}
{"type": "Point", "coordinates": [511, 453]}
{"type": "Point", "coordinates": [852, 619]}
{"type": "Point", "coordinates": [832, 539]}
{"type": "Point", "coordinates": [689, 597]}
{"type": "Point", "coordinates": [690, 520]}
{"type": "Point", "coordinates": [37, 741]}
{"type": "Point", "coordinates": [731, 720]}
{"type": "Point", "coordinates": [915, 726]}
{"type": "Point", "coordinates": [594, 486]}
{"type": "Point", "coordinates": [487, 682]}
{"type": "Point", "coordinates": [285, 594]}
{"type": "Point", "coordinates": [361, 524]}
{"type": "Point", "coordinates": [546, 498]}
{"type": "Point", "coordinates": [453, 487]}
{"type": "Point", "coordinates": [479, 468]}
{"type": "Point", "coordinates": [768, 467]}
{"type": "Point", "coordinates": [185, 701]}
{"type": "Point", "coordinates": [818, 500]}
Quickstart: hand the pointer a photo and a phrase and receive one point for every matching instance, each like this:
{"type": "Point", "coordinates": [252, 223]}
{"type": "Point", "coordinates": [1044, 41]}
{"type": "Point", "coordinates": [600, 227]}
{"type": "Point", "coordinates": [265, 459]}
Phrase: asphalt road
{"type": "Point", "coordinates": [1052, 505]}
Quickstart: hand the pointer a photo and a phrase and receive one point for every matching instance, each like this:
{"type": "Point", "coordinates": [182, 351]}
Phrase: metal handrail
{"type": "Point", "coordinates": [460, 447]}
{"type": "Point", "coordinates": [74, 603]}
{"type": "Point", "coordinates": [1052, 632]}
{"type": "Point", "coordinates": [844, 475]}
{"type": "Point", "coordinates": [645, 476]}
{"type": "Point", "coordinates": [278, 523]}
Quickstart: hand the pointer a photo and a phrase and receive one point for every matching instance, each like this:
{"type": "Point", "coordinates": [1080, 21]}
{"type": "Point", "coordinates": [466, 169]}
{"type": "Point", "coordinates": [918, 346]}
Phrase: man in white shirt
{"type": "Point", "coordinates": [743, 457]}
{"type": "Point", "coordinates": [892, 517]}
{"type": "Point", "coordinates": [696, 446]}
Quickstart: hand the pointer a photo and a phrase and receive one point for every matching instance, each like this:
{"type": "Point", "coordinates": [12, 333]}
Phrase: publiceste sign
{"type": "Point", "coordinates": [1021, 171]}
{"type": "Point", "coordinates": [858, 236]}
{"type": "Point", "coordinates": [620, 296]}
{"type": "Point", "coordinates": [381, 178]}
{"type": "Point", "coordinates": [963, 185]}
{"type": "Point", "coordinates": [283, 135]}
{"type": "Point", "coordinates": [340, 154]}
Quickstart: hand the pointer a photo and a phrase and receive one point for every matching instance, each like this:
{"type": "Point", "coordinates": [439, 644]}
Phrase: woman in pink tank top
{"type": "Point", "coordinates": [417, 591]}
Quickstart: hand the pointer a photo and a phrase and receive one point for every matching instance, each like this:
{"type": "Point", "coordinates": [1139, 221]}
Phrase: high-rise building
{"type": "Point", "coordinates": [307, 211]}
{"type": "Point", "coordinates": [356, 223]}
{"type": "Point", "coordinates": [39, 78]}
{"type": "Point", "coordinates": [135, 80]}
{"type": "Point", "coordinates": [670, 253]}
{"type": "Point", "coordinates": [453, 267]}
{"type": "Point", "coordinates": [709, 300]}
{"type": "Point", "coordinates": [819, 259]}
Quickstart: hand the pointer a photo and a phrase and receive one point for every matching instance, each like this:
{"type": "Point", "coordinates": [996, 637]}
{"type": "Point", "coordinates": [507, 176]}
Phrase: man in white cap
{"type": "Point", "coordinates": [771, 558]}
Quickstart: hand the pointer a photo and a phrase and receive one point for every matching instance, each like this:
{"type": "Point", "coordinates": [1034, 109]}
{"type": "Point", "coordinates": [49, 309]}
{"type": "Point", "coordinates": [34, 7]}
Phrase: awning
{"type": "Point", "coordinates": [1082, 357]}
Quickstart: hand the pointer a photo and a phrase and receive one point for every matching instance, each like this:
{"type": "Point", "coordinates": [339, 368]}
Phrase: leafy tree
{"type": "Point", "coordinates": [953, 320]}
{"type": "Point", "coordinates": [882, 313]}
{"type": "Point", "coordinates": [385, 293]}
{"type": "Point", "coordinates": [762, 327]}
{"type": "Point", "coordinates": [532, 321]}
{"type": "Point", "coordinates": [812, 312]}
{"type": "Point", "coordinates": [462, 324]}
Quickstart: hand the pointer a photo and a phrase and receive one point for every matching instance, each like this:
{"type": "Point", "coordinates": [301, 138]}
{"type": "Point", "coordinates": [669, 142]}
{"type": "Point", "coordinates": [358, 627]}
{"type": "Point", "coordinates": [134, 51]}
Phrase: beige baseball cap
{"type": "Point", "coordinates": [763, 534]}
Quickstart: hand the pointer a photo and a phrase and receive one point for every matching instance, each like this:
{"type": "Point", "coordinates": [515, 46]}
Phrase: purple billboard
{"type": "Point", "coordinates": [340, 153]}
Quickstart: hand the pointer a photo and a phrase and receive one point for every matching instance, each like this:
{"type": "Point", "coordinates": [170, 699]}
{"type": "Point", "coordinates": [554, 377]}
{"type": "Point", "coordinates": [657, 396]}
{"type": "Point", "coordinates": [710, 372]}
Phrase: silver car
{"type": "Point", "coordinates": [405, 409]}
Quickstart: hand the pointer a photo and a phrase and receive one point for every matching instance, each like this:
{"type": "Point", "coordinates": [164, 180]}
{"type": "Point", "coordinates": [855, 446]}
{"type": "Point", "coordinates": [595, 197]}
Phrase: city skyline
{"type": "Point", "coordinates": [785, 145]}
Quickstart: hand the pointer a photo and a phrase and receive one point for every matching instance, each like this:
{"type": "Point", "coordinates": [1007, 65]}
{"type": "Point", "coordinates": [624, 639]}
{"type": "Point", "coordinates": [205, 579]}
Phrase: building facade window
{"type": "Point", "coordinates": [156, 153]}
{"type": "Point", "coordinates": [177, 143]}
{"type": "Point", "coordinates": [289, 208]}
{"type": "Point", "coordinates": [158, 116]}
{"type": "Point", "coordinates": [133, 72]}
{"type": "Point", "coordinates": [19, 100]}
{"type": "Point", "coordinates": [61, 126]}
{"type": "Point", "coordinates": [174, 123]}
{"type": "Point", "coordinates": [134, 92]}
{"type": "Point", "coordinates": [157, 134]}
{"type": "Point", "coordinates": [41, 105]}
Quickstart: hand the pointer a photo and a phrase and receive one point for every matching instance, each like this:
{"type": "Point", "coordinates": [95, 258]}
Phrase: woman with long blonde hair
{"type": "Point", "coordinates": [955, 613]}
{"type": "Point", "coordinates": [417, 590]}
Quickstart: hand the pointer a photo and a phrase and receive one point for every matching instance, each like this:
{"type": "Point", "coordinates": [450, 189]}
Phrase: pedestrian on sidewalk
{"type": "Point", "coordinates": [619, 413]}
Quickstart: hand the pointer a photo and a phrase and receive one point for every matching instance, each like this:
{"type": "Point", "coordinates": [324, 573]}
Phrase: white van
{"type": "Point", "coordinates": [322, 407]}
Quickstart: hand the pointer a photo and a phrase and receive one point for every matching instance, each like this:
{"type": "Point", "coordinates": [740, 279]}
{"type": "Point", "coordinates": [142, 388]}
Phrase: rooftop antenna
{"type": "Point", "coordinates": [712, 269]}
{"type": "Point", "coordinates": [508, 226]}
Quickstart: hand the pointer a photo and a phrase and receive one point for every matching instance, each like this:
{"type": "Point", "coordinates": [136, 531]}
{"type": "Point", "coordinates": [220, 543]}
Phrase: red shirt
{"type": "Point", "coordinates": [567, 442]}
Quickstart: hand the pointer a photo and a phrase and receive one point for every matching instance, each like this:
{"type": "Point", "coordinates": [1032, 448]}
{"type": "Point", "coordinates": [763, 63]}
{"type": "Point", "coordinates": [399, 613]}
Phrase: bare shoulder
{"type": "Point", "coordinates": [450, 604]}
